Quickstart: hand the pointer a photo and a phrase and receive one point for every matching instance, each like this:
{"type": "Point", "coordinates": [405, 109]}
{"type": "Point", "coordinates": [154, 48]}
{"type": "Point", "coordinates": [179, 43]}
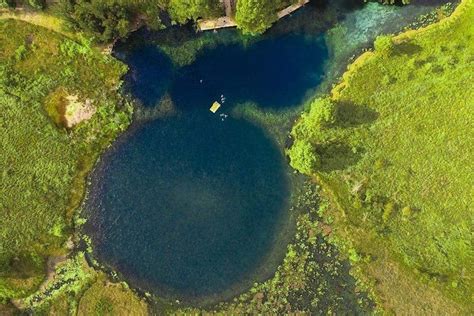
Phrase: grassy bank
{"type": "Point", "coordinates": [394, 159]}
{"type": "Point", "coordinates": [44, 163]}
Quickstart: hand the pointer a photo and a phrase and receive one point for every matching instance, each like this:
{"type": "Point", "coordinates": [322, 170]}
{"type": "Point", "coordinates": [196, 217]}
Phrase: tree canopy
{"type": "Point", "coordinates": [303, 157]}
{"type": "Point", "coordinates": [255, 16]}
{"type": "Point", "coordinates": [182, 11]}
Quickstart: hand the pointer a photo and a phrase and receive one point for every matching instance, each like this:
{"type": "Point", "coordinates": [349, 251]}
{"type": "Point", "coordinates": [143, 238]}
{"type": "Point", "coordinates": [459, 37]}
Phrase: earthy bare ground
{"type": "Point", "coordinates": [77, 111]}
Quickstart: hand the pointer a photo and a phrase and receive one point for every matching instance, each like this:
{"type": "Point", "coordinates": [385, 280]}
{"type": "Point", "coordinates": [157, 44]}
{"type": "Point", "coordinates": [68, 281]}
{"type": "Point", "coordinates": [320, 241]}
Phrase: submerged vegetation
{"type": "Point", "coordinates": [43, 163]}
{"type": "Point", "coordinates": [396, 162]}
{"type": "Point", "coordinates": [312, 279]}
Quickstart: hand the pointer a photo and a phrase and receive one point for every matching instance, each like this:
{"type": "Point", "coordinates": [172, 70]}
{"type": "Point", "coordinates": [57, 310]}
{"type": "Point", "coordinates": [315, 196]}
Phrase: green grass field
{"type": "Point", "coordinates": [397, 164]}
{"type": "Point", "coordinates": [42, 164]}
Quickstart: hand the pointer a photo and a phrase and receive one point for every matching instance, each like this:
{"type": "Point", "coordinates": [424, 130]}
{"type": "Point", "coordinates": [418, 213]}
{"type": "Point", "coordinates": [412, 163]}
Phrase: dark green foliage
{"type": "Point", "coordinates": [7, 4]}
{"type": "Point", "coordinates": [106, 20]}
{"type": "Point", "coordinates": [112, 19]}
{"type": "Point", "coordinates": [37, 4]}
{"type": "Point", "coordinates": [398, 2]}
{"type": "Point", "coordinates": [183, 10]}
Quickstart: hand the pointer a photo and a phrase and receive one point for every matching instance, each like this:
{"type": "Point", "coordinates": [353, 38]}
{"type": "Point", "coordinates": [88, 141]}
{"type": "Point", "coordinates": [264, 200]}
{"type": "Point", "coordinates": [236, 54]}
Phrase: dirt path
{"type": "Point", "coordinates": [292, 8]}
{"type": "Point", "coordinates": [37, 18]}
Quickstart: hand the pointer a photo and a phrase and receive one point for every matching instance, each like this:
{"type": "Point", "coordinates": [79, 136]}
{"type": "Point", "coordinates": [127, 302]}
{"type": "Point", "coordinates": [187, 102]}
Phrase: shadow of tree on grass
{"type": "Point", "coordinates": [337, 156]}
{"type": "Point", "coordinates": [406, 48]}
{"type": "Point", "coordinates": [351, 115]}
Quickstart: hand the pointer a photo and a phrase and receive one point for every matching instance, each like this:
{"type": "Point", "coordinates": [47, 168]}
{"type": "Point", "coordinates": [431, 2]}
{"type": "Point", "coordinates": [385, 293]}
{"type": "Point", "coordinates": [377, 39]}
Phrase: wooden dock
{"type": "Point", "coordinates": [292, 8]}
{"type": "Point", "coordinates": [220, 23]}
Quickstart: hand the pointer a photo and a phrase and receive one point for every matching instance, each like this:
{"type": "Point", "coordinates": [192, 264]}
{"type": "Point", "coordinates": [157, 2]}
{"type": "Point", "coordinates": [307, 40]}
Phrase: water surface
{"type": "Point", "coordinates": [190, 205]}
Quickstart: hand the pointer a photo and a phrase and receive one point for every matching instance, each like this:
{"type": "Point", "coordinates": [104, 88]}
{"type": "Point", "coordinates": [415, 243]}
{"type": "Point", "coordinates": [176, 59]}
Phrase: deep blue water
{"type": "Point", "coordinates": [190, 205]}
{"type": "Point", "coordinates": [273, 72]}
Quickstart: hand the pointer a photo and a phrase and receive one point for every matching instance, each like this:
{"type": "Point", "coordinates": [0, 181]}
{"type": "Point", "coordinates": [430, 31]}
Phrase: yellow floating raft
{"type": "Point", "coordinates": [215, 106]}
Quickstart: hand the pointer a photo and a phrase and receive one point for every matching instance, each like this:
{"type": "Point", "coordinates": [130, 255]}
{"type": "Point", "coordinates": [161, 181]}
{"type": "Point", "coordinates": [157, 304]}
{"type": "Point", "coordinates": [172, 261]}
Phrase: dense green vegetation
{"type": "Point", "coordinates": [75, 288]}
{"type": "Point", "coordinates": [43, 163]}
{"type": "Point", "coordinates": [255, 16]}
{"type": "Point", "coordinates": [396, 162]}
{"type": "Point", "coordinates": [182, 11]}
{"type": "Point", "coordinates": [108, 20]}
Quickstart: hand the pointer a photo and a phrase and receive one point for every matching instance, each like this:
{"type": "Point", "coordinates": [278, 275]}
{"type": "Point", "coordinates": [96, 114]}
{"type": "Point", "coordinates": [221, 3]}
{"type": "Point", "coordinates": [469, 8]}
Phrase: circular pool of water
{"type": "Point", "coordinates": [191, 205]}
{"type": "Point", "coordinates": [188, 205]}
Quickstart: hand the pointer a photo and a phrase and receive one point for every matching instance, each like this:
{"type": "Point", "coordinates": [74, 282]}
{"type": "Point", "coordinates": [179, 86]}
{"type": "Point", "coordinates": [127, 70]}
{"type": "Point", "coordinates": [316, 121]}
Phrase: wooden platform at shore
{"type": "Point", "coordinates": [220, 23]}
{"type": "Point", "coordinates": [292, 8]}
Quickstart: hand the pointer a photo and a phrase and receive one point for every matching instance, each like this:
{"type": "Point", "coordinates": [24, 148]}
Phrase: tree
{"type": "Point", "coordinates": [303, 157]}
{"type": "Point", "coordinates": [384, 45]}
{"type": "Point", "coordinates": [255, 16]}
{"type": "Point", "coordinates": [322, 113]}
{"type": "Point", "coordinates": [105, 20]}
{"type": "Point", "coordinates": [183, 10]}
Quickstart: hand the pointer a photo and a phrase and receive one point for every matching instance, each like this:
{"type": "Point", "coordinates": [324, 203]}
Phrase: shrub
{"type": "Point", "coordinates": [255, 16]}
{"type": "Point", "coordinates": [303, 157]}
{"type": "Point", "coordinates": [183, 10]}
{"type": "Point", "coordinates": [322, 112]}
{"type": "Point", "coordinates": [104, 21]}
{"type": "Point", "coordinates": [384, 45]}
{"type": "Point", "coordinates": [354, 256]}
{"type": "Point", "coordinates": [20, 53]}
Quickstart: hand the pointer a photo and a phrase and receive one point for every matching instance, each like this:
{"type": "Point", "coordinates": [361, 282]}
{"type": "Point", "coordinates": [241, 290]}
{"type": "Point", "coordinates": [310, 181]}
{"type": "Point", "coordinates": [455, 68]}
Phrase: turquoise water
{"type": "Point", "coordinates": [190, 205]}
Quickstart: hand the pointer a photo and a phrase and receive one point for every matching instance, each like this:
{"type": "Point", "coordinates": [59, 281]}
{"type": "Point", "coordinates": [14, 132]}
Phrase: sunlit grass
{"type": "Point", "coordinates": [42, 167]}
